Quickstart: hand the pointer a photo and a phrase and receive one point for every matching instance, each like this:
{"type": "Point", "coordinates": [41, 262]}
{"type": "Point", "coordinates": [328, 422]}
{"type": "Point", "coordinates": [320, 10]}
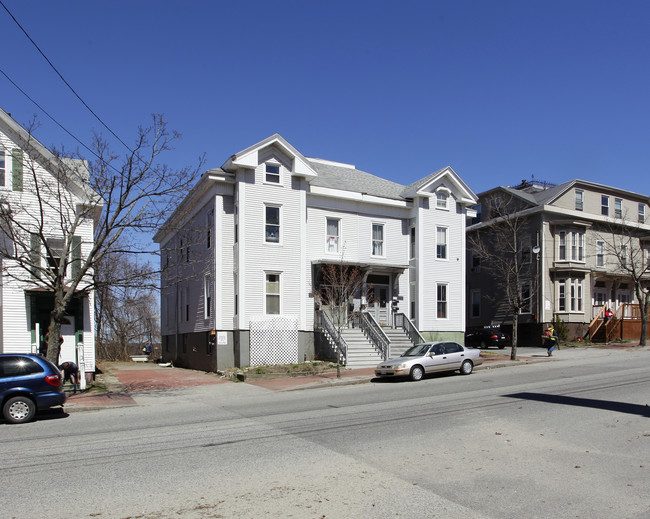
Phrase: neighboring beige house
{"type": "Point", "coordinates": [242, 254]}
{"type": "Point", "coordinates": [573, 273]}
{"type": "Point", "coordinates": [26, 168]}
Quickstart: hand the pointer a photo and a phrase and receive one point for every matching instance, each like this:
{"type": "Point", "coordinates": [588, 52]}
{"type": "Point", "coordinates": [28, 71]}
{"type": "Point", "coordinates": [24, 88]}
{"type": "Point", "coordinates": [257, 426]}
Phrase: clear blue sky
{"type": "Point", "coordinates": [499, 90]}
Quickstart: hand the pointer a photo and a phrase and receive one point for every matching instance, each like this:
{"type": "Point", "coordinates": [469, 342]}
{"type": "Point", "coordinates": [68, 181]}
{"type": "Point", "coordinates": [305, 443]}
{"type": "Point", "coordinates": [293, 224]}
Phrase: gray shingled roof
{"type": "Point", "coordinates": [352, 179]}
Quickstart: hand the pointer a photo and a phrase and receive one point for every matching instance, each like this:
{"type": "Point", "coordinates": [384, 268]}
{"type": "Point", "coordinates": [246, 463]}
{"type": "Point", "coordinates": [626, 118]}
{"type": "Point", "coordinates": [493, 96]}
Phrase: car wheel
{"type": "Point", "coordinates": [466, 367]}
{"type": "Point", "coordinates": [416, 373]}
{"type": "Point", "coordinates": [482, 345]}
{"type": "Point", "coordinates": [501, 347]}
{"type": "Point", "coordinates": [19, 409]}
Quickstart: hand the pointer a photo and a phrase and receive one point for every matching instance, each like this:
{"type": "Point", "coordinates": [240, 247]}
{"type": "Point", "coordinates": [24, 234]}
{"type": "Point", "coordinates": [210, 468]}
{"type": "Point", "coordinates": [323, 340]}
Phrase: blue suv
{"type": "Point", "coordinates": [28, 383]}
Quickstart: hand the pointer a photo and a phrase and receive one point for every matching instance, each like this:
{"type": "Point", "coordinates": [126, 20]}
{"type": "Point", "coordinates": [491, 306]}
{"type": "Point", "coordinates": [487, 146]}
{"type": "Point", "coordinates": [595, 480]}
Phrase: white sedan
{"type": "Point", "coordinates": [431, 357]}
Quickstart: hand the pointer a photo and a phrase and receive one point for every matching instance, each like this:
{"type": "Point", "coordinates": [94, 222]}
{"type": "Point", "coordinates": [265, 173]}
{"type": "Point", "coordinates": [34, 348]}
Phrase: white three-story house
{"type": "Point", "coordinates": [241, 258]}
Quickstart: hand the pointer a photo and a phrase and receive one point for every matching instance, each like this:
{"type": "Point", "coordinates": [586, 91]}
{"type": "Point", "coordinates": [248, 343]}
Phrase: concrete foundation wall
{"type": "Point", "coordinates": [192, 350]}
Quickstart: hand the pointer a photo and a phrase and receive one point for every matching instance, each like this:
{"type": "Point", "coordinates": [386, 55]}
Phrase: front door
{"type": "Point", "coordinates": [378, 298]}
{"type": "Point", "coordinates": [68, 346]}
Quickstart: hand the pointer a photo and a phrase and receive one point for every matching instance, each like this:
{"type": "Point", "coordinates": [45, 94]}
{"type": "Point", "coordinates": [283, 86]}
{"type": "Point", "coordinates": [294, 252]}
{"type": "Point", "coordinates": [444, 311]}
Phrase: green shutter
{"type": "Point", "coordinates": [35, 254]}
{"type": "Point", "coordinates": [17, 169]}
{"type": "Point", "coordinates": [76, 256]}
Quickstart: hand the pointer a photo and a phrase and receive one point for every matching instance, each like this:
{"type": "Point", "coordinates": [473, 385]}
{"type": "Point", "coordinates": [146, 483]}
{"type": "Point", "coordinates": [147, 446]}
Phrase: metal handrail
{"type": "Point", "coordinates": [333, 335]}
{"type": "Point", "coordinates": [375, 334]}
{"type": "Point", "coordinates": [403, 322]}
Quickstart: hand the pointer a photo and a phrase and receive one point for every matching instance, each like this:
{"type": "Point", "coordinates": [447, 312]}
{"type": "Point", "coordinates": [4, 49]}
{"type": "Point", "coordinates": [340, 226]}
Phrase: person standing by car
{"type": "Point", "coordinates": [550, 339]}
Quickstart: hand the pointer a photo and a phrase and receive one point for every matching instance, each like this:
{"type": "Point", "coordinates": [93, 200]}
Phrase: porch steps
{"type": "Point", "coordinates": [361, 352]}
{"type": "Point", "coordinates": [399, 341]}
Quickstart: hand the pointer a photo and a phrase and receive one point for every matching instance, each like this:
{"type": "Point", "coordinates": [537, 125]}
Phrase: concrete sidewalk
{"type": "Point", "coordinates": [124, 381]}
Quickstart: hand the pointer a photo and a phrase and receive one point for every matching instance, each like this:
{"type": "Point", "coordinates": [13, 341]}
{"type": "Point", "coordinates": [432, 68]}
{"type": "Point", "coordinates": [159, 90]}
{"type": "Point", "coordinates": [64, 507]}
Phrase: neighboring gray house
{"type": "Point", "coordinates": [574, 234]}
{"type": "Point", "coordinates": [242, 253]}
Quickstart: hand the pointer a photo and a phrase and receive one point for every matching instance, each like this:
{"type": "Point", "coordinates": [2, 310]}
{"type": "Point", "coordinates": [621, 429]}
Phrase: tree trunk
{"type": "Point", "coordinates": [515, 326]}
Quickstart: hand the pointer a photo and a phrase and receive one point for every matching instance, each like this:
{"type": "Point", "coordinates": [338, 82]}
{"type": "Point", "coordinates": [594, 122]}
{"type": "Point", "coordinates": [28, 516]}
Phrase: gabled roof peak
{"type": "Point", "coordinates": [249, 158]}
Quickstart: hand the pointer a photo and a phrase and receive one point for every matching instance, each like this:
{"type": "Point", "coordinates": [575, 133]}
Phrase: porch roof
{"type": "Point", "coordinates": [390, 267]}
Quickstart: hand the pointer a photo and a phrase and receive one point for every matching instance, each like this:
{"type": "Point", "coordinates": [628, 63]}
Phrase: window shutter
{"type": "Point", "coordinates": [17, 169]}
{"type": "Point", "coordinates": [35, 253]}
{"type": "Point", "coordinates": [76, 256]}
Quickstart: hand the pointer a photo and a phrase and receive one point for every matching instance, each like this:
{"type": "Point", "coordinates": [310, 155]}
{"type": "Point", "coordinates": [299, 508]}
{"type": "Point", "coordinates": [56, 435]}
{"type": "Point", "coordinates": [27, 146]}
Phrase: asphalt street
{"type": "Point", "coordinates": [568, 438]}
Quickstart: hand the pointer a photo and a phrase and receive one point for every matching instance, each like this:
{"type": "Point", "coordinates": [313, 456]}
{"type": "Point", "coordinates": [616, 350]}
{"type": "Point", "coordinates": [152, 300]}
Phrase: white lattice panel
{"type": "Point", "coordinates": [273, 339]}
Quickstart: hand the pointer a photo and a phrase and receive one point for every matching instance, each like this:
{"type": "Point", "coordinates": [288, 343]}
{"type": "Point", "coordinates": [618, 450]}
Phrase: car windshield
{"type": "Point", "coordinates": [417, 351]}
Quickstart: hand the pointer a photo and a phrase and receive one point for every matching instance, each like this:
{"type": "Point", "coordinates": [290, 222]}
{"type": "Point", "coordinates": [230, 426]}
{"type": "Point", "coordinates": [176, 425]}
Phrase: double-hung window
{"type": "Point", "coordinates": [579, 200]}
{"type": "Point", "coordinates": [441, 300]}
{"type": "Point", "coordinates": [623, 256]}
{"type": "Point", "coordinates": [441, 200]}
{"type": "Point", "coordinates": [604, 205]}
{"type": "Point", "coordinates": [576, 295]}
{"type": "Point", "coordinates": [272, 173]}
{"type": "Point", "coordinates": [562, 246]}
{"type": "Point", "coordinates": [600, 253]}
{"type": "Point", "coordinates": [272, 224]}
{"type": "Point", "coordinates": [641, 217]}
{"type": "Point", "coordinates": [54, 252]}
{"type": "Point", "coordinates": [333, 227]}
{"type": "Point", "coordinates": [412, 244]}
{"type": "Point", "coordinates": [377, 239]}
{"type": "Point", "coordinates": [441, 243]}
{"type": "Point", "coordinates": [618, 208]}
{"type": "Point", "coordinates": [577, 246]}
{"type": "Point", "coordinates": [561, 295]}
{"type": "Point", "coordinates": [272, 293]}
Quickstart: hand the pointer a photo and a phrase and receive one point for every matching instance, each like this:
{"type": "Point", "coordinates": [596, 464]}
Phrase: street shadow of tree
{"type": "Point", "coordinates": [608, 405]}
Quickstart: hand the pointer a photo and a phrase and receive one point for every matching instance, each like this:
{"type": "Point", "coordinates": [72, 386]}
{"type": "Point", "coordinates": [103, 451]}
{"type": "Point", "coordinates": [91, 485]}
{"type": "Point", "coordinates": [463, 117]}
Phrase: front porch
{"type": "Point", "coordinates": [624, 324]}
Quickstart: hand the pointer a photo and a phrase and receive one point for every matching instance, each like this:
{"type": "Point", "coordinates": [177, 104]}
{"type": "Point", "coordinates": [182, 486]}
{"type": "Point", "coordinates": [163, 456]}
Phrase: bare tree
{"type": "Point", "coordinates": [66, 200]}
{"type": "Point", "coordinates": [126, 307]}
{"type": "Point", "coordinates": [338, 285]}
{"type": "Point", "coordinates": [503, 245]}
{"type": "Point", "coordinates": [629, 247]}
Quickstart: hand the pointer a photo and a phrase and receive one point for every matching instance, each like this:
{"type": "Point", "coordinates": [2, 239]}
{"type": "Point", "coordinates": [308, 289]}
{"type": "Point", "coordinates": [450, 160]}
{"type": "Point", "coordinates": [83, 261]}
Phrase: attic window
{"type": "Point", "coordinates": [273, 173]}
{"type": "Point", "coordinates": [441, 199]}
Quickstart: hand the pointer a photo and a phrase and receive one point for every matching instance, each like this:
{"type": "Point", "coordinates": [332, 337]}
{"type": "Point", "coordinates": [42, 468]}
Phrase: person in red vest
{"type": "Point", "coordinates": [608, 314]}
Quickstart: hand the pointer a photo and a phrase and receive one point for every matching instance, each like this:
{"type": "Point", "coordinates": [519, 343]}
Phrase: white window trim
{"type": "Point", "coordinates": [327, 235]}
{"type": "Point", "coordinates": [446, 318]}
{"type": "Point", "coordinates": [604, 205]}
{"type": "Point", "coordinates": [600, 253]}
{"type": "Point", "coordinates": [383, 240]}
{"type": "Point", "coordinates": [280, 302]}
{"type": "Point", "coordinates": [413, 242]}
{"type": "Point", "coordinates": [446, 258]}
{"type": "Point", "coordinates": [264, 240]}
{"type": "Point", "coordinates": [574, 295]}
{"type": "Point", "coordinates": [278, 174]}
{"type": "Point", "coordinates": [579, 200]}
{"type": "Point", "coordinates": [447, 193]}
{"type": "Point", "coordinates": [618, 208]}
{"type": "Point", "coordinates": [560, 236]}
